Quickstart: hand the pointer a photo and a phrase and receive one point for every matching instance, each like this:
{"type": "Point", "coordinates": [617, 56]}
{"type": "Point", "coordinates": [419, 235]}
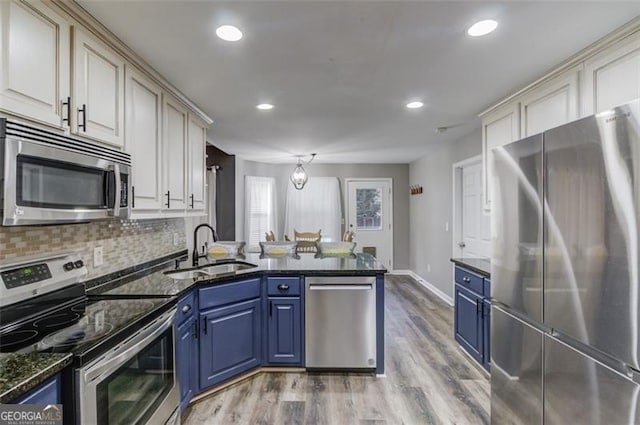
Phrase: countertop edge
{"type": "Point", "coordinates": [32, 381]}
{"type": "Point", "coordinates": [466, 265]}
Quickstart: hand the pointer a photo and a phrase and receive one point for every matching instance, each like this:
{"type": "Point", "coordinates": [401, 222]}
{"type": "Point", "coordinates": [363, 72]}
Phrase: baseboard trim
{"type": "Point", "coordinates": [437, 292]}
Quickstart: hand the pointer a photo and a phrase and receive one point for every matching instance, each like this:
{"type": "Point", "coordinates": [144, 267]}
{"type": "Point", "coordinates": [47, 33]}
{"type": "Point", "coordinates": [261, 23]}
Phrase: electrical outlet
{"type": "Point", "coordinates": [176, 239]}
{"type": "Point", "coordinates": [97, 256]}
{"type": "Point", "coordinates": [428, 268]}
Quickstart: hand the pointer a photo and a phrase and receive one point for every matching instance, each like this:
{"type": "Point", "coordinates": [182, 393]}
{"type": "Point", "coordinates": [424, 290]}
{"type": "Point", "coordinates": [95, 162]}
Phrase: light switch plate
{"type": "Point", "coordinates": [97, 256]}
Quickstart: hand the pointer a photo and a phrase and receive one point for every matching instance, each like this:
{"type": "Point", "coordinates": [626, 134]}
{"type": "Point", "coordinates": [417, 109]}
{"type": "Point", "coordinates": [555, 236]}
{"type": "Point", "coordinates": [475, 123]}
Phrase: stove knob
{"type": "Point", "coordinates": [68, 266]}
{"type": "Point", "coordinates": [78, 264]}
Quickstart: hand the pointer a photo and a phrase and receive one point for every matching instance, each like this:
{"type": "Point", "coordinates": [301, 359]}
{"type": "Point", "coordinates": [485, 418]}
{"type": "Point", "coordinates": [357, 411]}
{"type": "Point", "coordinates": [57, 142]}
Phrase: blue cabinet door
{"type": "Point", "coordinates": [285, 331]}
{"type": "Point", "coordinates": [486, 334]}
{"type": "Point", "coordinates": [230, 341]}
{"type": "Point", "coordinates": [187, 361]}
{"type": "Point", "coordinates": [47, 392]}
{"type": "Point", "coordinates": [468, 322]}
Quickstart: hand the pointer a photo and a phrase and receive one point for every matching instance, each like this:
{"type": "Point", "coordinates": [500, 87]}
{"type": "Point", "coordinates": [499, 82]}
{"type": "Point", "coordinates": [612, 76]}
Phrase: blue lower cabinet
{"type": "Point", "coordinates": [486, 334]}
{"type": "Point", "coordinates": [187, 361]}
{"type": "Point", "coordinates": [284, 331]}
{"type": "Point", "coordinates": [48, 392]}
{"type": "Point", "coordinates": [468, 322]}
{"type": "Point", "coordinates": [230, 341]}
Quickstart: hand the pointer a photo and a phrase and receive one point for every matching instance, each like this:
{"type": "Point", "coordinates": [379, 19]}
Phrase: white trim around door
{"type": "Point", "coordinates": [388, 180]}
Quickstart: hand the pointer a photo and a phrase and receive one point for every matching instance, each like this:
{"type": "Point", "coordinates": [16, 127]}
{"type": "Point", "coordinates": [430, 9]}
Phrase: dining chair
{"type": "Point", "coordinates": [307, 240]}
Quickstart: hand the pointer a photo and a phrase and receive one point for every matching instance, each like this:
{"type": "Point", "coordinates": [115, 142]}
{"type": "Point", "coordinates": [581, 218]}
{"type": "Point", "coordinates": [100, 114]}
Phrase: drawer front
{"type": "Point", "coordinates": [487, 287]}
{"type": "Point", "coordinates": [186, 307]}
{"type": "Point", "coordinates": [283, 286]}
{"type": "Point", "coordinates": [470, 280]}
{"type": "Point", "coordinates": [229, 293]}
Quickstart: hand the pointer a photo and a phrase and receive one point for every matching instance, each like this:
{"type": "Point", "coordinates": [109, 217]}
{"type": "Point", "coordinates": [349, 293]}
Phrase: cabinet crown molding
{"type": "Point", "coordinates": [629, 29]}
{"type": "Point", "coordinates": [89, 23]}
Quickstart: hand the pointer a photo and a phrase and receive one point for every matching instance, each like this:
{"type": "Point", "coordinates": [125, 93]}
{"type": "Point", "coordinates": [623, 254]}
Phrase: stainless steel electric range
{"type": "Point", "coordinates": [123, 369]}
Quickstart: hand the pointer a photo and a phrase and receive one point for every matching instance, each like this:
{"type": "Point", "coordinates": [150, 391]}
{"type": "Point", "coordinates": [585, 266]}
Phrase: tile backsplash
{"type": "Point", "coordinates": [125, 243]}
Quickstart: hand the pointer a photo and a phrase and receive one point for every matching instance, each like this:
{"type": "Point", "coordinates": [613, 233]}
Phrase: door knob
{"type": "Point", "coordinates": [461, 244]}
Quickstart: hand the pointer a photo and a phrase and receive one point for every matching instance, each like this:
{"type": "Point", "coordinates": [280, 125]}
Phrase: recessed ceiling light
{"type": "Point", "coordinates": [229, 33]}
{"type": "Point", "coordinates": [482, 28]}
{"type": "Point", "coordinates": [264, 106]}
{"type": "Point", "coordinates": [414, 105]}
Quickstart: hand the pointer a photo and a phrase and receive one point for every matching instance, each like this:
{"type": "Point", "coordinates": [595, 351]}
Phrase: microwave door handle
{"type": "Point", "coordinates": [118, 194]}
{"type": "Point", "coordinates": [113, 190]}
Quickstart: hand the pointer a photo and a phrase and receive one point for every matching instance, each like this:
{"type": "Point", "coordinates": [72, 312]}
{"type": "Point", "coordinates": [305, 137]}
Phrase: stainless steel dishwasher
{"type": "Point", "coordinates": [340, 322]}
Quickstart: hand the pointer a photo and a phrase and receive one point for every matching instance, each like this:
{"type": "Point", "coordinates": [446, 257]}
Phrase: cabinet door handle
{"type": "Point", "coordinates": [191, 200]}
{"type": "Point", "coordinates": [83, 110]}
{"type": "Point", "coordinates": [204, 325]}
{"type": "Point", "coordinates": [194, 329]}
{"type": "Point", "coordinates": [168, 195]}
{"type": "Point", "coordinates": [186, 308]}
{"type": "Point", "coordinates": [133, 196]}
{"type": "Point", "coordinates": [270, 308]}
{"type": "Point", "coordinates": [283, 287]}
{"type": "Point", "coordinates": [68, 105]}
{"type": "Point", "coordinates": [466, 279]}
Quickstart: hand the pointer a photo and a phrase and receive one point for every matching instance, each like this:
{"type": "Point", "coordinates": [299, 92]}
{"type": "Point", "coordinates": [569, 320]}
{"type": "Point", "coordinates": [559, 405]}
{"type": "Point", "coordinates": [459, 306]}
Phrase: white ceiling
{"type": "Point", "coordinates": [339, 73]}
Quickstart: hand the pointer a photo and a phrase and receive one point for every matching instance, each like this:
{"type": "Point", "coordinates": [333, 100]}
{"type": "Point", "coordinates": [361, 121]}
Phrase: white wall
{"type": "Point", "coordinates": [429, 242]}
{"type": "Point", "coordinates": [399, 173]}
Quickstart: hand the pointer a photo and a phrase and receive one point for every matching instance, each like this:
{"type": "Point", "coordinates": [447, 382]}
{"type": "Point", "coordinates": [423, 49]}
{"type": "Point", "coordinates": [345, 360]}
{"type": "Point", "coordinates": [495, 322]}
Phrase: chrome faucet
{"type": "Point", "coordinates": [196, 256]}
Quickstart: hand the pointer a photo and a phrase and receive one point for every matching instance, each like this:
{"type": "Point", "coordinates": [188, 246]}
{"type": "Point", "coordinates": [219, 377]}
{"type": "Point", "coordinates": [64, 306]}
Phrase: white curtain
{"type": "Point", "coordinates": [316, 207]}
{"type": "Point", "coordinates": [260, 210]}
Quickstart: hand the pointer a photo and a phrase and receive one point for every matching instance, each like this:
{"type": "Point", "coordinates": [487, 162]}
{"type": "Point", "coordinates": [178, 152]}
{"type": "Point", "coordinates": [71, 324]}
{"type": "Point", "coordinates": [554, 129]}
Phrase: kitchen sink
{"type": "Point", "coordinates": [210, 271]}
{"type": "Point", "coordinates": [188, 274]}
{"type": "Point", "coordinates": [227, 268]}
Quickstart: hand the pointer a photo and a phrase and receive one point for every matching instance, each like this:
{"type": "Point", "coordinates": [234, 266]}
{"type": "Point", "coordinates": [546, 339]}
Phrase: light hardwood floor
{"type": "Point", "coordinates": [429, 379]}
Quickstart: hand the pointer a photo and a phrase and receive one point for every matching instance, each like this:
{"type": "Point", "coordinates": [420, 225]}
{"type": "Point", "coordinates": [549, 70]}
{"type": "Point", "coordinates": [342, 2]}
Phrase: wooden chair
{"type": "Point", "coordinates": [269, 236]}
{"type": "Point", "coordinates": [306, 240]}
{"type": "Point", "coordinates": [348, 236]}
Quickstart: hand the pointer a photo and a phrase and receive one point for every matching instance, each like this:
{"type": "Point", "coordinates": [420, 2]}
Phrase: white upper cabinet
{"type": "Point", "coordinates": [500, 127]}
{"type": "Point", "coordinates": [143, 140]}
{"type": "Point", "coordinates": [98, 90]}
{"type": "Point", "coordinates": [34, 62]}
{"type": "Point", "coordinates": [175, 155]}
{"type": "Point", "coordinates": [197, 167]}
{"type": "Point", "coordinates": [550, 105]}
{"type": "Point", "coordinates": [612, 77]}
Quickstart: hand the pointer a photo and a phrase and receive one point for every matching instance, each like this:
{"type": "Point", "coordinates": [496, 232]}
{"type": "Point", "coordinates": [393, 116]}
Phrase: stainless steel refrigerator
{"type": "Point", "coordinates": [565, 274]}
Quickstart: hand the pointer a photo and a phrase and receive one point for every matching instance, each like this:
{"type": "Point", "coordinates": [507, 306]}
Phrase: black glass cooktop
{"type": "Point", "coordinates": [77, 326]}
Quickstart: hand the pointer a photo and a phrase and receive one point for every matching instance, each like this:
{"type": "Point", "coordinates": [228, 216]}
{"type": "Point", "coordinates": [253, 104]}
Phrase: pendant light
{"type": "Point", "coordinates": [299, 176]}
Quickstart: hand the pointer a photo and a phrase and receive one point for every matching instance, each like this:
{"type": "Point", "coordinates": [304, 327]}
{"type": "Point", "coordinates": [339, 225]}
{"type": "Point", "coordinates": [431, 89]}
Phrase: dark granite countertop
{"type": "Point", "coordinates": [159, 284]}
{"type": "Point", "coordinates": [479, 265]}
{"type": "Point", "coordinates": [21, 372]}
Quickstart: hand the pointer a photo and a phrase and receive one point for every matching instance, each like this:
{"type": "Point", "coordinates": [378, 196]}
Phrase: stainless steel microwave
{"type": "Point", "coordinates": [47, 178]}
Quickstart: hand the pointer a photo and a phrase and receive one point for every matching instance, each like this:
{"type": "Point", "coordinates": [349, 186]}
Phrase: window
{"type": "Point", "coordinates": [316, 207]}
{"type": "Point", "coordinates": [260, 209]}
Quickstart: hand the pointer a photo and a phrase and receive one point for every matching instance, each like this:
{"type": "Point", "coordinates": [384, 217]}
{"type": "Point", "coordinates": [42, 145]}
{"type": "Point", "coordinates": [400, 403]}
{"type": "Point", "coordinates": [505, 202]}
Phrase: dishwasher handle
{"type": "Point", "coordinates": [347, 287]}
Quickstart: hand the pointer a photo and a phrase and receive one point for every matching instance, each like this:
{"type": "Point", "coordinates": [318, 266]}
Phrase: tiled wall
{"type": "Point", "coordinates": [125, 242]}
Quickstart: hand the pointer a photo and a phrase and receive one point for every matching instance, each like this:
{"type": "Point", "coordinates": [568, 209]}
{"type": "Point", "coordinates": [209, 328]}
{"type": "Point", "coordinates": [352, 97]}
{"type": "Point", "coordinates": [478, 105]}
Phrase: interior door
{"type": "Point", "coordinates": [476, 237]}
{"type": "Point", "coordinates": [369, 217]}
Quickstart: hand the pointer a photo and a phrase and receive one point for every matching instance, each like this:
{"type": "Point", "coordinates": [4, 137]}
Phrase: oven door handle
{"type": "Point", "coordinates": [113, 360]}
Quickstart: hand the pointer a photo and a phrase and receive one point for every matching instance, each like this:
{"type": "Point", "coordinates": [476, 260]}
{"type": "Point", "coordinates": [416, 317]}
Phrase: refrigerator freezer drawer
{"type": "Point", "coordinates": [579, 390]}
{"type": "Point", "coordinates": [516, 371]}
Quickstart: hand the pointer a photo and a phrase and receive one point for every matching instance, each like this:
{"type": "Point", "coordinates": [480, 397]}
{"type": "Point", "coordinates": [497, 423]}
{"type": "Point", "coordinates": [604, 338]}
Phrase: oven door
{"type": "Point", "coordinates": [135, 382]}
{"type": "Point", "coordinates": [45, 184]}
